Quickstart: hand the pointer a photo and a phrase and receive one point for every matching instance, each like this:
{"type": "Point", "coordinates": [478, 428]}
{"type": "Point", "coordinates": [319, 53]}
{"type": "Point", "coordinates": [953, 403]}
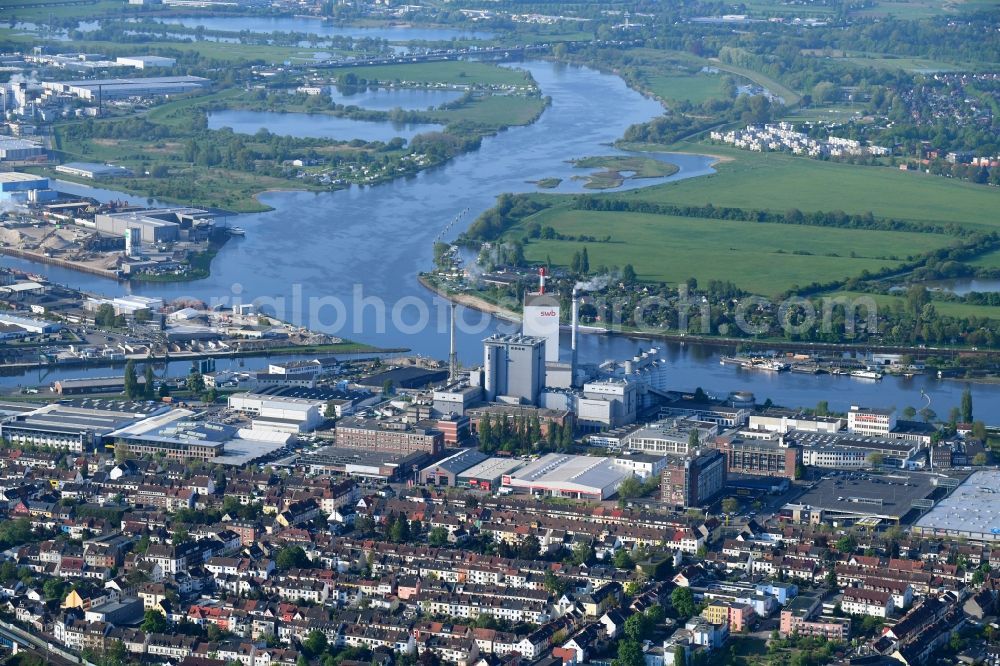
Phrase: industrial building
{"type": "Point", "coordinates": [488, 475]}
{"type": "Point", "coordinates": [87, 386]}
{"type": "Point", "coordinates": [609, 403]}
{"type": "Point", "coordinates": [457, 399]}
{"type": "Point", "coordinates": [561, 475]}
{"type": "Point", "coordinates": [73, 428]}
{"type": "Point", "coordinates": [16, 186]}
{"type": "Point", "coordinates": [850, 451]}
{"type": "Point", "coordinates": [397, 435]}
{"type": "Point", "coordinates": [94, 90]}
{"type": "Point", "coordinates": [513, 368]}
{"type": "Point", "coordinates": [725, 413]}
{"type": "Point", "coordinates": [30, 324]}
{"type": "Point", "coordinates": [176, 435]}
{"type": "Point", "coordinates": [671, 437]}
{"type": "Point", "coordinates": [446, 472]}
{"type": "Point", "coordinates": [20, 150]}
{"type": "Point", "coordinates": [541, 318]}
{"type": "Point", "coordinates": [408, 378]}
{"type": "Point", "coordinates": [279, 413]}
{"type": "Point", "coordinates": [845, 498]}
{"type": "Point", "coordinates": [693, 480]}
{"type": "Point", "coordinates": [760, 457]}
{"type": "Point", "coordinates": [92, 170]}
{"type": "Point", "coordinates": [972, 511]}
{"type": "Point", "coordinates": [163, 225]}
{"type": "Point", "coordinates": [145, 62]}
{"type": "Point", "coordinates": [782, 420]}
{"type": "Point", "coordinates": [869, 421]}
{"type": "Point", "coordinates": [381, 465]}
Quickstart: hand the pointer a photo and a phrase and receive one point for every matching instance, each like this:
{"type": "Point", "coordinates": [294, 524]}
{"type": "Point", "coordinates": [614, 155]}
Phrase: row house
{"type": "Point", "coordinates": [861, 601]}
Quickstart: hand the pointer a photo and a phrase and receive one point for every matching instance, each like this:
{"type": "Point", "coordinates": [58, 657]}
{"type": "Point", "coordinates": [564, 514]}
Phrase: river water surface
{"type": "Point", "coordinates": [346, 262]}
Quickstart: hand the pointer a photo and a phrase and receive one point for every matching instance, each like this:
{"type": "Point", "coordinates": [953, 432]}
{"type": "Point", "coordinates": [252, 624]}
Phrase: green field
{"type": "Point", "coordinates": [778, 181]}
{"type": "Point", "coordinates": [494, 111]}
{"type": "Point", "coordinates": [695, 88]}
{"type": "Point", "coordinates": [758, 257]}
{"type": "Point", "coordinates": [946, 308]}
{"type": "Point", "coordinates": [988, 260]}
{"type": "Point", "coordinates": [462, 73]}
{"type": "Point", "coordinates": [213, 50]}
{"type": "Point", "coordinates": [42, 11]}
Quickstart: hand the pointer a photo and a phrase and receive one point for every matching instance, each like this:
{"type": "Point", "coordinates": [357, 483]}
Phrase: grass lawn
{"type": "Point", "coordinates": [778, 181]}
{"type": "Point", "coordinates": [494, 111]}
{"type": "Point", "coordinates": [695, 88]}
{"type": "Point", "coordinates": [757, 257]}
{"type": "Point", "coordinates": [43, 11]}
{"type": "Point", "coordinates": [458, 72]}
{"type": "Point", "coordinates": [213, 50]}
{"type": "Point", "coordinates": [988, 260]}
{"type": "Point", "coordinates": [943, 307]}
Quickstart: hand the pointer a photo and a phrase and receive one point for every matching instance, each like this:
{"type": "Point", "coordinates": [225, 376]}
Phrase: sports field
{"type": "Point", "coordinates": [758, 257]}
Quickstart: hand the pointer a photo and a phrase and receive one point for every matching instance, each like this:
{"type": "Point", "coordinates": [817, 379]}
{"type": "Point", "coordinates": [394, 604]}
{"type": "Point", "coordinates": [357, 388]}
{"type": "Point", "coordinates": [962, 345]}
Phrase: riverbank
{"type": "Point", "coordinates": [335, 348]}
{"type": "Point", "coordinates": [481, 304]}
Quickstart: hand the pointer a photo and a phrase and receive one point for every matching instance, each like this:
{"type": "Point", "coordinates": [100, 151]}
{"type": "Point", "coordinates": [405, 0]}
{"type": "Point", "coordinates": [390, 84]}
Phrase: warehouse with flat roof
{"type": "Point", "coordinates": [563, 475]}
{"type": "Point", "coordinates": [445, 472]}
{"type": "Point", "coordinates": [972, 511]}
{"type": "Point", "coordinates": [488, 475]}
{"type": "Point", "coordinates": [104, 89]}
{"type": "Point", "coordinates": [75, 428]}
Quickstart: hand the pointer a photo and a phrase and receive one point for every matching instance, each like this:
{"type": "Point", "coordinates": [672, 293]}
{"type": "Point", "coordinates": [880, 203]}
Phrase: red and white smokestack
{"type": "Point", "coordinates": [541, 280]}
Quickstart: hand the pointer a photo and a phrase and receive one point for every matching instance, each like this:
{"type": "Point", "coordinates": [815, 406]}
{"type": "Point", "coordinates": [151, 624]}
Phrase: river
{"type": "Point", "coordinates": [346, 261]}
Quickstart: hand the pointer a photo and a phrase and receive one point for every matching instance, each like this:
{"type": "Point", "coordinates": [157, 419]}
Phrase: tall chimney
{"type": "Point", "coordinates": [452, 355]}
{"type": "Point", "coordinates": [541, 280]}
{"type": "Point", "coordinates": [572, 337]}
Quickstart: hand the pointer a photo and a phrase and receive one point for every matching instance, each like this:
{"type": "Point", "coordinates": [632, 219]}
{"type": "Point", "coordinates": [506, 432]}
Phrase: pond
{"type": "Point", "coordinates": [316, 125]}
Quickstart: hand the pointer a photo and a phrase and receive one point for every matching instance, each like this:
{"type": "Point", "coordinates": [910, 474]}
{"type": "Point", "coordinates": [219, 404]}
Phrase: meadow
{"type": "Point", "coordinates": [758, 257]}
{"type": "Point", "coordinates": [778, 182]}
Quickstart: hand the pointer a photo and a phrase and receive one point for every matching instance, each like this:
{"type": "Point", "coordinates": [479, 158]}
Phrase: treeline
{"type": "Point", "coordinates": [522, 434]}
{"type": "Point", "coordinates": [837, 219]}
{"type": "Point", "coordinates": [508, 211]}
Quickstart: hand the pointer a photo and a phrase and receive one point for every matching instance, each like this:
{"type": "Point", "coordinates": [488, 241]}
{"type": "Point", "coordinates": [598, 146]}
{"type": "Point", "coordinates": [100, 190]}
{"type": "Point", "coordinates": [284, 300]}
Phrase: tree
{"type": "Point", "coordinates": [700, 395]}
{"type": "Point", "coordinates": [584, 261]}
{"type": "Point", "coordinates": [682, 599]}
{"type": "Point", "coordinates": [628, 274]}
{"type": "Point", "coordinates": [909, 412]}
{"type": "Point", "coordinates": [630, 487]}
{"type": "Point", "coordinates": [847, 544]}
{"type": "Point", "coordinates": [554, 584]}
{"type": "Point", "coordinates": [131, 381]}
{"type": "Point", "coordinates": [153, 622]}
{"type": "Point", "coordinates": [822, 408]}
{"type": "Point", "coordinates": [979, 459]}
{"type": "Point", "coordinates": [438, 536]}
{"type": "Point", "coordinates": [105, 316]}
{"type": "Point", "coordinates": [399, 531]}
{"type": "Point", "coordinates": [730, 505]}
{"type": "Point", "coordinates": [195, 383]}
{"type": "Point", "coordinates": [529, 548]}
{"type": "Point", "coordinates": [147, 387]}
{"type": "Point", "coordinates": [629, 654]}
{"type": "Point", "coordinates": [315, 643]}
{"type": "Point", "coordinates": [292, 557]}
{"type": "Point", "coordinates": [637, 627]}
{"type": "Point", "coordinates": [693, 439]}
{"type": "Point", "coordinates": [387, 387]}
{"type": "Point", "coordinates": [623, 560]}
{"type": "Point", "coordinates": [875, 459]}
{"type": "Point", "coordinates": [330, 411]}
{"type": "Point", "coordinates": [979, 431]}
{"type": "Point", "coordinates": [966, 406]}
{"type": "Point", "coordinates": [121, 451]}
{"type": "Point", "coordinates": [582, 552]}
